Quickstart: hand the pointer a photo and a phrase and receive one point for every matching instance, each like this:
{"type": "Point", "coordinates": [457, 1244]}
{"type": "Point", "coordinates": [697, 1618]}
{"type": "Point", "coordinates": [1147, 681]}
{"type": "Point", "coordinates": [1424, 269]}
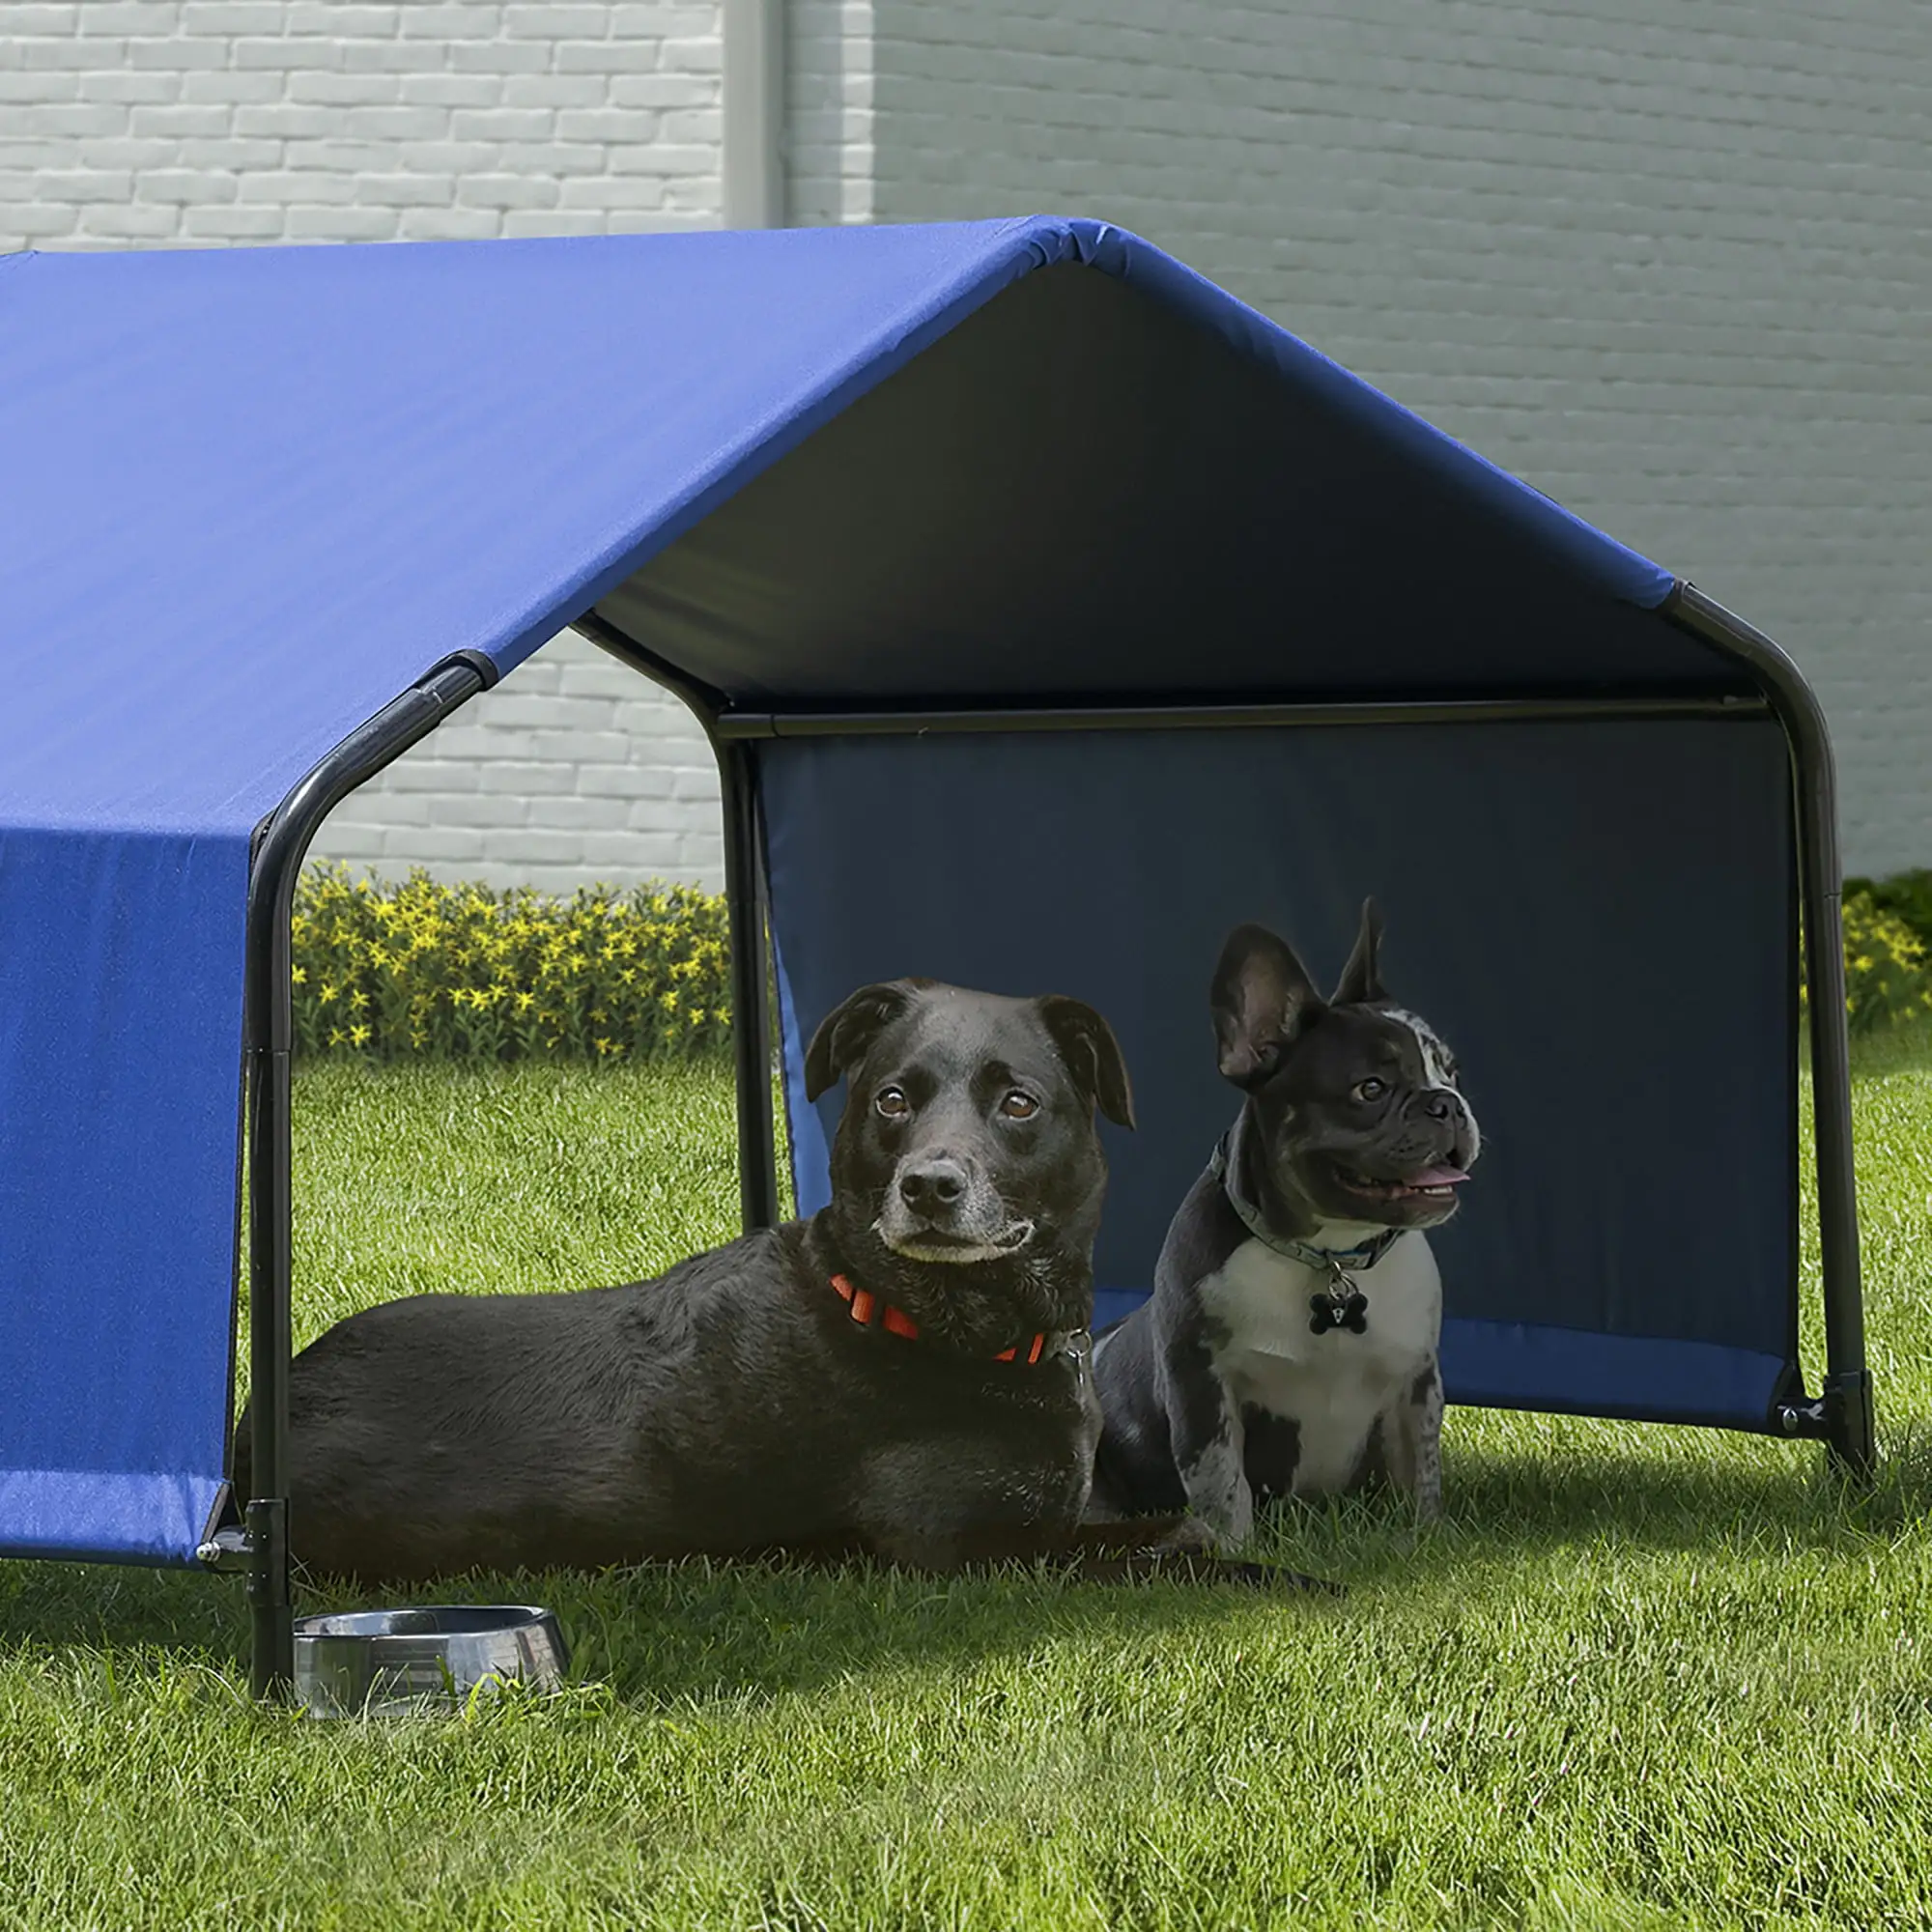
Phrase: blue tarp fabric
{"type": "Point", "coordinates": [249, 496]}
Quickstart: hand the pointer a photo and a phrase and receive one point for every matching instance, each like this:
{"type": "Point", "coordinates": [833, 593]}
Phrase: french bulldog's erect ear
{"type": "Point", "coordinates": [846, 1034]}
{"type": "Point", "coordinates": [1361, 977]}
{"type": "Point", "coordinates": [1093, 1055]}
{"type": "Point", "coordinates": [1261, 998]}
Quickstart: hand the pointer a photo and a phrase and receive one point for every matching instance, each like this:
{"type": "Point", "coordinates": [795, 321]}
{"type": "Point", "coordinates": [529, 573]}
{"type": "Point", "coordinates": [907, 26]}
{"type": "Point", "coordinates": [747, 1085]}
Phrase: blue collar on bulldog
{"type": "Point", "coordinates": [1341, 1304]}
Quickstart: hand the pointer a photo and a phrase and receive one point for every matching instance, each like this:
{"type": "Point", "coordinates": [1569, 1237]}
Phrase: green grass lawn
{"type": "Point", "coordinates": [1638, 1677]}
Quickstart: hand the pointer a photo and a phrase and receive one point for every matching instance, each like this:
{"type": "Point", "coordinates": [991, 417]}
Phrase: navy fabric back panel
{"type": "Point", "coordinates": [1596, 915]}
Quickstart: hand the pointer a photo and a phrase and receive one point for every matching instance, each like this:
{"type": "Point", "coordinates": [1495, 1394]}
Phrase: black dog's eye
{"type": "Point", "coordinates": [892, 1104]}
{"type": "Point", "coordinates": [1370, 1088]}
{"type": "Point", "coordinates": [1018, 1106]}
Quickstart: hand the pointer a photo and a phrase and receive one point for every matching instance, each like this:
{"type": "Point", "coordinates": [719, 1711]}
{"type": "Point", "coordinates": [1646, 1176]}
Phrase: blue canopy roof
{"type": "Point", "coordinates": [251, 495]}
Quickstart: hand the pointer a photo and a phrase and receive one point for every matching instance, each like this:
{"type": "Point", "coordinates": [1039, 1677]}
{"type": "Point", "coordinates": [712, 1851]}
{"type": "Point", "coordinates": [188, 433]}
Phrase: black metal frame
{"type": "Point", "coordinates": [1843, 1412]}
{"type": "Point", "coordinates": [1841, 1416]}
{"type": "Point", "coordinates": [732, 726]}
{"type": "Point", "coordinates": [269, 1040]}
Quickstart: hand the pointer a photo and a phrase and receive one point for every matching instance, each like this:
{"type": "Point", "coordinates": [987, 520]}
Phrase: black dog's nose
{"type": "Point", "coordinates": [1443, 1105]}
{"type": "Point", "coordinates": [932, 1183]}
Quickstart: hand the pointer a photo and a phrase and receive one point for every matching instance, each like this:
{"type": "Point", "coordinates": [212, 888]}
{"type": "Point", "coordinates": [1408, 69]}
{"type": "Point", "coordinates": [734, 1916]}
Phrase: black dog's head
{"type": "Point", "coordinates": [967, 1171]}
{"type": "Point", "coordinates": [1353, 1101]}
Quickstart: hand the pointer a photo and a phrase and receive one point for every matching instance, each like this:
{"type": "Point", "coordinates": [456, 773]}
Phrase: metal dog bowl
{"type": "Point", "coordinates": [383, 1663]}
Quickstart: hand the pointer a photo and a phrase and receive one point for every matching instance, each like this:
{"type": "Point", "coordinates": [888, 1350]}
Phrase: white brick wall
{"type": "Point", "coordinates": [1669, 263]}
{"type": "Point", "coordinates": [574, 771]}
{"type": "Point", "coordinates": [145, 123]}
{"type": "Point", "coordinates": [172, 122]}
{"type": "Point", "coordinates": [829, 112]}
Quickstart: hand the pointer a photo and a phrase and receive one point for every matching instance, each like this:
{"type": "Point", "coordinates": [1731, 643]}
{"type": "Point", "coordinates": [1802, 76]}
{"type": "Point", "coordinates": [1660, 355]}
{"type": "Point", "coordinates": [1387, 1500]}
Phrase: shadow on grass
{"type": "Point", "coordinates": [1736, 1497]}
{"type": "Point", "coordinates": [660, 1635]}
{"type": "Point", "coordinates": [702, 1633]}
{"type": "Point", "coordinates": [100, 1607]}
{"type": "Point", "coordinates": [1511, 1508]}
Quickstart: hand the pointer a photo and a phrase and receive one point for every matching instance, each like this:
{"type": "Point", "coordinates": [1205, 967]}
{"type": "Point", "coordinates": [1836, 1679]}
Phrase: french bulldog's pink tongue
{"type": "Point", "coordinates": [1437, 1176]}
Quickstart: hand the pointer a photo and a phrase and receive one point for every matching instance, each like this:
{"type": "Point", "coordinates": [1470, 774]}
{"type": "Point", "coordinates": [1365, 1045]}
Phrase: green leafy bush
{"type": "Point", "coordinates": [1886, 964]}
{"type": "Point", "coordinates": [467, 973]}
{"type": "Point", "coordinates": [1905, 896]}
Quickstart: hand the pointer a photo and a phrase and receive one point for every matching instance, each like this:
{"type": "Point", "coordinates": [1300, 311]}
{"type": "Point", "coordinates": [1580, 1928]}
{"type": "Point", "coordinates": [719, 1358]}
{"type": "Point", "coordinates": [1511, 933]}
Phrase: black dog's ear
{"type": "Point", "coordinates": [1093, 1055]}
{"type": "Point", "coordinates": [1261, 998]}
{"type": "Point", "coordinates": [846, 1034]}
{"type": "Point", "coordinates": [1361, 977]}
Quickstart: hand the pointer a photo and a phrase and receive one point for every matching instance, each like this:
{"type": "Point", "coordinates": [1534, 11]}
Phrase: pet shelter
{"type": "Point", "coordinates": [1050, 611]}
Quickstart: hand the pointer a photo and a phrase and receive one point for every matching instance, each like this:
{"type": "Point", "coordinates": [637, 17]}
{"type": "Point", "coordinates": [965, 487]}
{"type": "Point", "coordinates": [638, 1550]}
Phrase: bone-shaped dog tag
{"type": "Point", "coordinates": [1338, 1309]}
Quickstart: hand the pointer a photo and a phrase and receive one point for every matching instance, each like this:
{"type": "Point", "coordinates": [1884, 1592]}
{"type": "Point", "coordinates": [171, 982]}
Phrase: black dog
{"type": "Point", "coordinates": [904, 1376]}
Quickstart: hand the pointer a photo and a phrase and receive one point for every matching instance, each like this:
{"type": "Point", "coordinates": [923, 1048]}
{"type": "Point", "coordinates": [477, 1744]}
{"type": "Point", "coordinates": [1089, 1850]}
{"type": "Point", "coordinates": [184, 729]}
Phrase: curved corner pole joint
{"type": "Point", "coordinates": [268, 1035]}
{"type": "Point", "coordinates": [1848, 1417]}
{"type": "Point", "coordinates": [746, 905]}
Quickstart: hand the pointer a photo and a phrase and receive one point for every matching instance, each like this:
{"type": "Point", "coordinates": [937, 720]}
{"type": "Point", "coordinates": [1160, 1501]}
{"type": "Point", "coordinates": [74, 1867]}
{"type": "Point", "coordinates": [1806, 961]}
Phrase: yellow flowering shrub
{"type": "Point", "coordinates": [1887, 978]}
{"type": "Point", "coordinates": [467, 973]}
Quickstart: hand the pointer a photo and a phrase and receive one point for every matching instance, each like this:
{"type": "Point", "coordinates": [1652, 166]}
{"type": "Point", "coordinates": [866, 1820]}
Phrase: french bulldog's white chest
{"type": "Point", "coordinates": [1331, 1385]}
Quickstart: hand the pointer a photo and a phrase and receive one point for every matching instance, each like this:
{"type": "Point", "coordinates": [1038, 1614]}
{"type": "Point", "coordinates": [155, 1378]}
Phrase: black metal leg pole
{"type": "Point", "coordinates": [269, 1046]}
{"type": "Point", "coordinates": [750, 1011]}
{"type": "Point", "coordinates": [270, 1188]}
{"type": "Point", "coordinates": [1850, 1427]}
{"type": "Point", "coordinates": [1851, 1424]}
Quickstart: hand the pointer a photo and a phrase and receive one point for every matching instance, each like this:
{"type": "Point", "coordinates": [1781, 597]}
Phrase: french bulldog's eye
{"type": "Point", "coordinates": [1018, 1106]}
{"type": "Point", "coordinates": [1370, 1088]}
{"type": "Point", "coordinates": [892, 1104]}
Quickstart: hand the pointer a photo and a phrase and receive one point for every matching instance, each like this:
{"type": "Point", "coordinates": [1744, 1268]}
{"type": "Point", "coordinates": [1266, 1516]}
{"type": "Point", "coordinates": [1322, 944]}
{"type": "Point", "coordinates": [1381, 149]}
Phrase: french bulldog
{"type": "Point", "coordinates": [1289, 1345]}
